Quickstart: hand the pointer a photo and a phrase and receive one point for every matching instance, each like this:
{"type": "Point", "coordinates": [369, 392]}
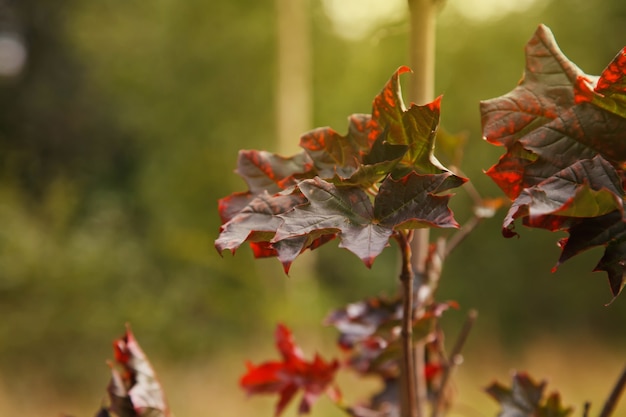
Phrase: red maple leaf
{"type": "Point", "coordinates": [291, 374]}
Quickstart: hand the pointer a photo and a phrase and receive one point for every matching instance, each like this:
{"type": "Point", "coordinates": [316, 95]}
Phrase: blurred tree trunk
{"type": "Point", "coordinates": [293, 86]}
{"type": "Point", "coordinates": [293, 118]}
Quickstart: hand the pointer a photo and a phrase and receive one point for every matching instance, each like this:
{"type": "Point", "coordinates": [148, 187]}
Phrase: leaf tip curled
{"type": "Point", "coordinates": [403, 69]}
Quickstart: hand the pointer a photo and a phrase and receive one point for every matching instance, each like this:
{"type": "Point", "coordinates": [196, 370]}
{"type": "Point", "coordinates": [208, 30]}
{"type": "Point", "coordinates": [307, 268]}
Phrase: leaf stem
{"type": "Point", "coordinates": [611, 402]}
{"type": "Point", "coordinates": [409, 403]}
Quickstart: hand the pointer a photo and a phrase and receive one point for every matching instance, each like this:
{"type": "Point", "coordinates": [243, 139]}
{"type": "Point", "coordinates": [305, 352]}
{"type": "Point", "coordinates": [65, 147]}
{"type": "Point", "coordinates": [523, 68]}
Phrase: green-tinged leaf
{"type": "Point", "coordinates": [387, 110]}
{"type": "Point", "coordinates": [384, 151]}
{"type": "Point", "coordinates": [378, 163]}
{"type": "Point", "coordinates": [410, 202]}
{"type": "Point", "coordinates": [343, 210]}
{"type": "Point", "coordinates": [415, 127]}
{"type": "Point", "coordinates": [420, 124]}
{"type": "Point", "coordinates": [607, 91]}
{"type": "Point", "coordinates": [589, 188]}
{"type": "Point", "coordinates": [565, 134]}
{"type": "Point", "coordinates": [365, 229]}
{"type": "Point", "coordinates": [392, 142]}
{"type": "Point", "coordinates": [258, 221]}
{"type": "Point", "coordinates": [525, 399]}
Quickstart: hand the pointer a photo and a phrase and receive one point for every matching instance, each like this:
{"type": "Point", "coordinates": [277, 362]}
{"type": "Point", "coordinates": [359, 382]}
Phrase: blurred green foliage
{"type": "Point", "coordinates": [122, 131]}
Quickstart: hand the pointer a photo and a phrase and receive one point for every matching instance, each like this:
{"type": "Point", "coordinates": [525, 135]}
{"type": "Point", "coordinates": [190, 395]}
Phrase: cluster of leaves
{"type": "Point", "coordinates": [565, 136]}
{"type": "Point", "coordinates": [362, 187]}
{"type": "Point", "coordinates": [369, 333]}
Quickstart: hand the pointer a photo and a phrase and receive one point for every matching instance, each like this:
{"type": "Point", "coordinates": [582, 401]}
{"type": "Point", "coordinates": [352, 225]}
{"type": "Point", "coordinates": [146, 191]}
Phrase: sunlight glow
{"type": "Point", "coordinates": [356, 19]}
{"type": "Point", "coordinates": [481, 10]}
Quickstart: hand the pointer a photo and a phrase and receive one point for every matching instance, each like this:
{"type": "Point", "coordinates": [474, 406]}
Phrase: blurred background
{"type": "Point", "coordinates": [120, 123]}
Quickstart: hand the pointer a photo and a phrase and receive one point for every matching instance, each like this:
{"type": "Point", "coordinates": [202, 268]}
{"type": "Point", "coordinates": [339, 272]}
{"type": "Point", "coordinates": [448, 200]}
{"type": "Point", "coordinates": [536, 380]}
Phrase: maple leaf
{"type": "Point", "coordinates": [336, 155]}
{"type": "Point", "coordinates": [292, 374]}
{"type": "Point", "coordinates": [565, 138]}
{"type": "Point", "coordinates": [365, 228]}
{"type": "Point", "coordinates": [263, 172]}
{"type": "Point", "coordinates": [525, 399]}
{"type": "Point", "coordinates": [134, 390]}
{"type": "Point", "coordinates": [257, 223]}
{"type": "Point", "coordinates": [302, 202]}
{"type": "Point", "coordinates": [415, 127]}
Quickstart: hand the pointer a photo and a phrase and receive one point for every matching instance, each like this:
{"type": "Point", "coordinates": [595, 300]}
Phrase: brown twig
{"type": "Point", "coordinates": [454, 361]}
{"type": "Point", "coordinates": [611, 402]}
{"type": "Point", "coordinates": [408, 364]}
{"type": "Point", "coordinates": [460, 236]}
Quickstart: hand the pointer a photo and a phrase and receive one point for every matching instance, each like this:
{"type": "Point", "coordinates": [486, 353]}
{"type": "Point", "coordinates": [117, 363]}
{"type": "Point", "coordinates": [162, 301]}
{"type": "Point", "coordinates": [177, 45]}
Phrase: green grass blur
{"type": "Point", "coordinates": [121, 132]}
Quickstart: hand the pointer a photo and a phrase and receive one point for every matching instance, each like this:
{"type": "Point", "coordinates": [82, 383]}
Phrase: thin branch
{"type": "Point", "coordinates": [611, 402]}
{"type": "Point", "coordinates": [460, 235]}
{"type": "Point", "coordinates": [455, 360]}
{"type": "Point", "coordinates": [408, 365]}
{"type": "Point", "coordinates": [470, 189]}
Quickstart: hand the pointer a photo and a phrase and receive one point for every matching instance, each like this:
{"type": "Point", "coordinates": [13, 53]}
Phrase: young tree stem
{"type": "Point", "coordinates": [409, 406]}
{"type": "Point", "coordinates": [422, 16]}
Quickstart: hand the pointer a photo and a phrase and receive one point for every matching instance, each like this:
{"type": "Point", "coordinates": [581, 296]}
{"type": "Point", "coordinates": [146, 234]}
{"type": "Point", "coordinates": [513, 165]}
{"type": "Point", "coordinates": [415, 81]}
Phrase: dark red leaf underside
{"type": "Point", "coordinates": [565, 138]}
